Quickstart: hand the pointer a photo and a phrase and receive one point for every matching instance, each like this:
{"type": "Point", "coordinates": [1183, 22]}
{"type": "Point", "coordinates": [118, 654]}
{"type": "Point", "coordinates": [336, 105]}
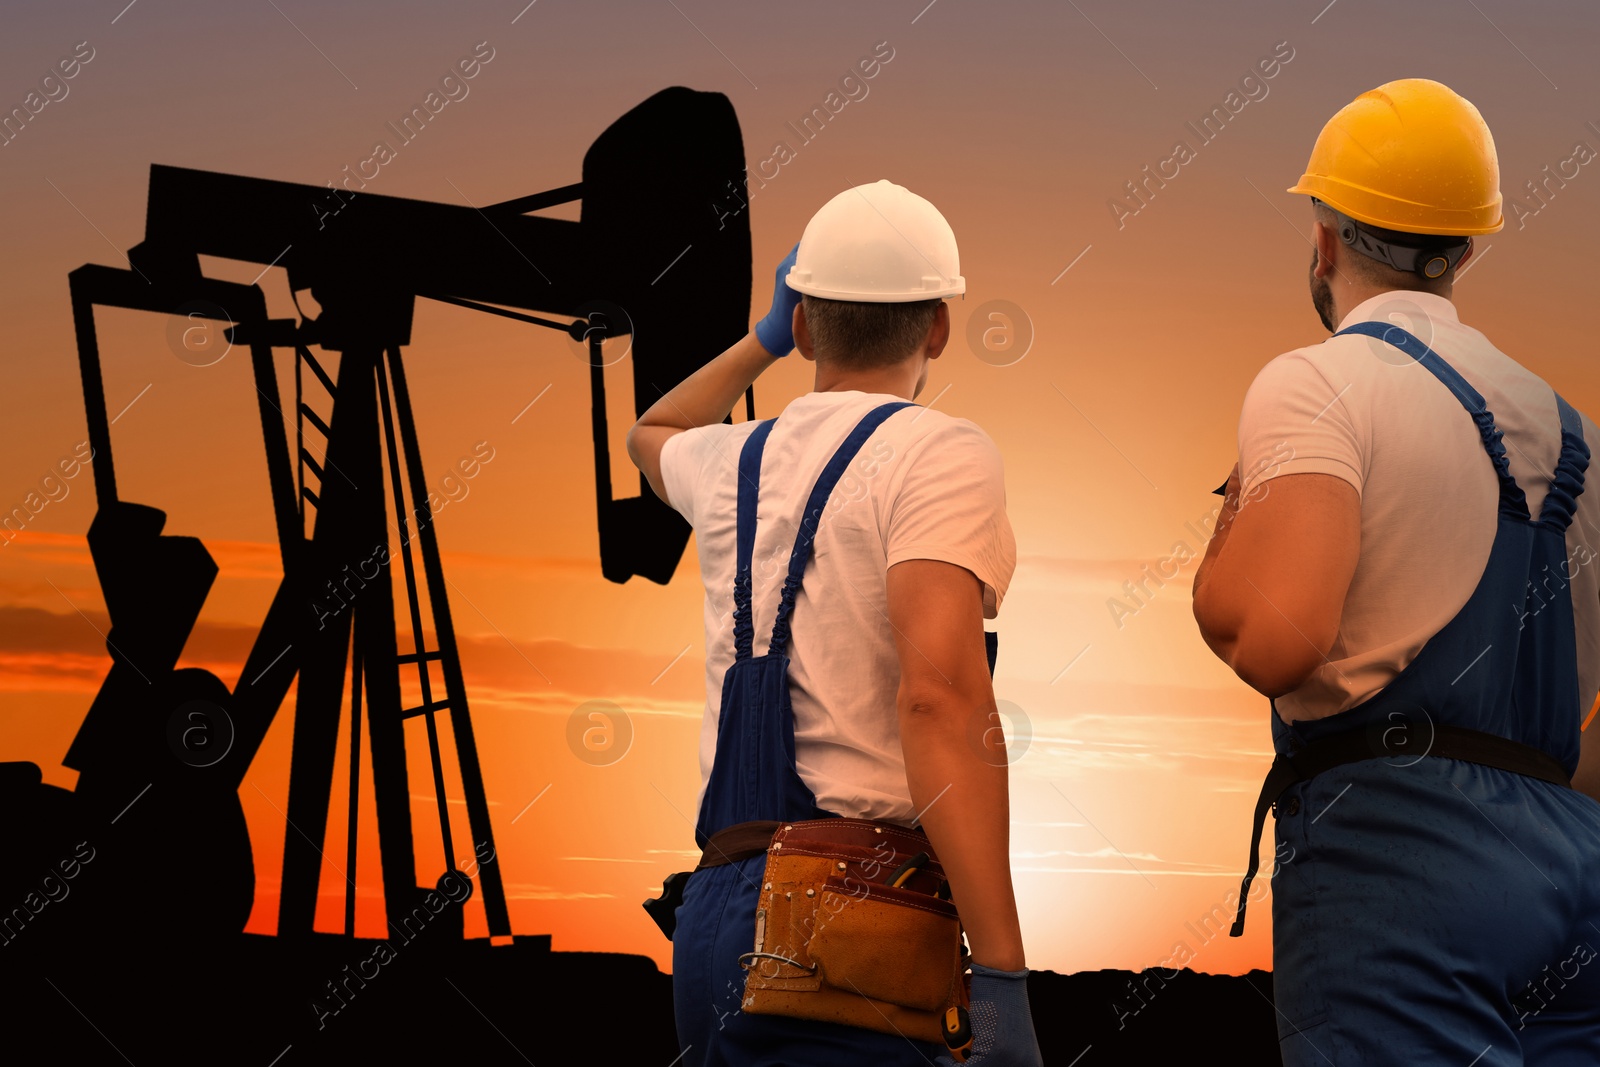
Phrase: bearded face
{"type": "Point", "coordinates": [1321, 296]}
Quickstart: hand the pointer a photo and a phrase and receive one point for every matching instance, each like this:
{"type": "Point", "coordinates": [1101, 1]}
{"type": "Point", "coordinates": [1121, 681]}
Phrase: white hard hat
{"type": "Point", "coordinates": [878, 243]}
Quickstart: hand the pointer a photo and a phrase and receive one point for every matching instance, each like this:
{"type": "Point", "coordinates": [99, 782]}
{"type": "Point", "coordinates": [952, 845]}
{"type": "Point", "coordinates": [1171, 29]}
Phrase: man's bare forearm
{"type": "Point", "coordinates": [1270, 597]}
{"type": "Point", "coordinates": [961, 795]}
{"type": "Point", "coordinates": [708, 395]}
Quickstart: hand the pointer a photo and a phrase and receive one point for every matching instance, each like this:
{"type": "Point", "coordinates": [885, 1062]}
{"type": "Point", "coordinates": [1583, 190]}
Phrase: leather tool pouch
{"type": "Point", "coordinates": [835, 943]}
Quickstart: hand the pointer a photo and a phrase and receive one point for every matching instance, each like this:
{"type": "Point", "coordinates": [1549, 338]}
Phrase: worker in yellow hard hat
{"type": "Point", "coordinates": [1408, 565]}
{"type": "Point", "coordinates": [852, 815]}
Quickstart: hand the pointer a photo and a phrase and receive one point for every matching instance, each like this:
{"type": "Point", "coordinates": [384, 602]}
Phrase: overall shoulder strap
{"type": "Point", "coordinates": [745, 538]}
{"type": "Point", "coordinates": [1566, 485]}
{"type": "Point", "coordinates": [1512, 500]}
{"type": "Point", "coordinates": [815, 504]}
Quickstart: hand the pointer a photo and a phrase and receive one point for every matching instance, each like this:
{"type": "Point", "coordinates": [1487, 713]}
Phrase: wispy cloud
{"type": "Point", "coordinates": [523, 891]}
{"type": "Point", "coordinates": [1148, 862]}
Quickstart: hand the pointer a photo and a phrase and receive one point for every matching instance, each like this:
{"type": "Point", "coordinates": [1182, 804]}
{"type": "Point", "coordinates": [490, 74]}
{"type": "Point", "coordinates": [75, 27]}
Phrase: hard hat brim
{"type": "Point", "coordinates": [954, 287]}
{"type": "Point", "coordinates": [1347, 199]}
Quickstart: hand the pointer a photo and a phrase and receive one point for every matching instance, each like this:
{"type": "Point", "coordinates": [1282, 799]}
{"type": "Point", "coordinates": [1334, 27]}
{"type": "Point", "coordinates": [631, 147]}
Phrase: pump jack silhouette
{"type": "Point", "coordinates": [661, 253]}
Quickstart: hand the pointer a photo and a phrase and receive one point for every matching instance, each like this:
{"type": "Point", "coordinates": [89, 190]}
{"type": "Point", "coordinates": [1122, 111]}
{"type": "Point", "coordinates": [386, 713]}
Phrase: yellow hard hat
{"type": "Point", "coordinates": [1410, 155]}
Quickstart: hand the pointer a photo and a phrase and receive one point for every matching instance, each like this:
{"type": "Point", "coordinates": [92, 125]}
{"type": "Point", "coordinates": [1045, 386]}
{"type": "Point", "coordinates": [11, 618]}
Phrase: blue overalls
{"type": "Point", "coordinates": [1432, 910]}
{"type": "Point", "coordinates": [753, 777]}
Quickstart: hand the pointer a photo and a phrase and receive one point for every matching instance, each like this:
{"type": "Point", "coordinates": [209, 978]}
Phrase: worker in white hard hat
{"type": "Point", "coordinates": [853, 816]}
{"type": "Point", "coordinates": [1406, 565]}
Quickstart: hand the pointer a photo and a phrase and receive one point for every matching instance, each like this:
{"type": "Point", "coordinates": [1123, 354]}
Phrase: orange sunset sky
{"type": "Point", "coordinates": [1022, 121]}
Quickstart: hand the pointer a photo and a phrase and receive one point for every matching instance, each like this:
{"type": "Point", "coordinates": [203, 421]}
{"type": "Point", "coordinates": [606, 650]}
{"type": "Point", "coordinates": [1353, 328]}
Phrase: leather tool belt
{"type": "Point", "coordinates": [834, 941]}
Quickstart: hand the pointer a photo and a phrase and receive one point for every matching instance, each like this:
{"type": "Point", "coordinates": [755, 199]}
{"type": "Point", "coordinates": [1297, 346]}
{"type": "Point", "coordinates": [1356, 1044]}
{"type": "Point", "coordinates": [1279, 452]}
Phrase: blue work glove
{"type": "Point", "coordinates": [776, 331]}
{"type": "Point", "coordinates": [1002, 1024]}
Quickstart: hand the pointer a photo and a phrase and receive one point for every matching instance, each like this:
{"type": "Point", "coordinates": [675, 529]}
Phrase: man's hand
{"type": "Point", "coordinates": [775, 331]}
{"type": "Point", "coordinates": [1002, 1023]}
{"type": "Point", "coordinates": [1271, 591]}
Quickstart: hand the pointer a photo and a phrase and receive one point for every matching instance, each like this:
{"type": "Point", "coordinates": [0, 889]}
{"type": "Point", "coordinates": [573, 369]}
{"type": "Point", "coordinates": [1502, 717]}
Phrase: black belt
{"type": "Point", "coordinates": [1449, 742]}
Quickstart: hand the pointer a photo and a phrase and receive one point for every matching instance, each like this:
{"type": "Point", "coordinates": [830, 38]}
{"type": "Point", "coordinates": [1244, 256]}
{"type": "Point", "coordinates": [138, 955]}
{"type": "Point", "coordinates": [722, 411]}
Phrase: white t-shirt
{"type": "Point", "coordinates": [1360, 409]}
{"type": "Point", "coordinates": [925, 485]}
